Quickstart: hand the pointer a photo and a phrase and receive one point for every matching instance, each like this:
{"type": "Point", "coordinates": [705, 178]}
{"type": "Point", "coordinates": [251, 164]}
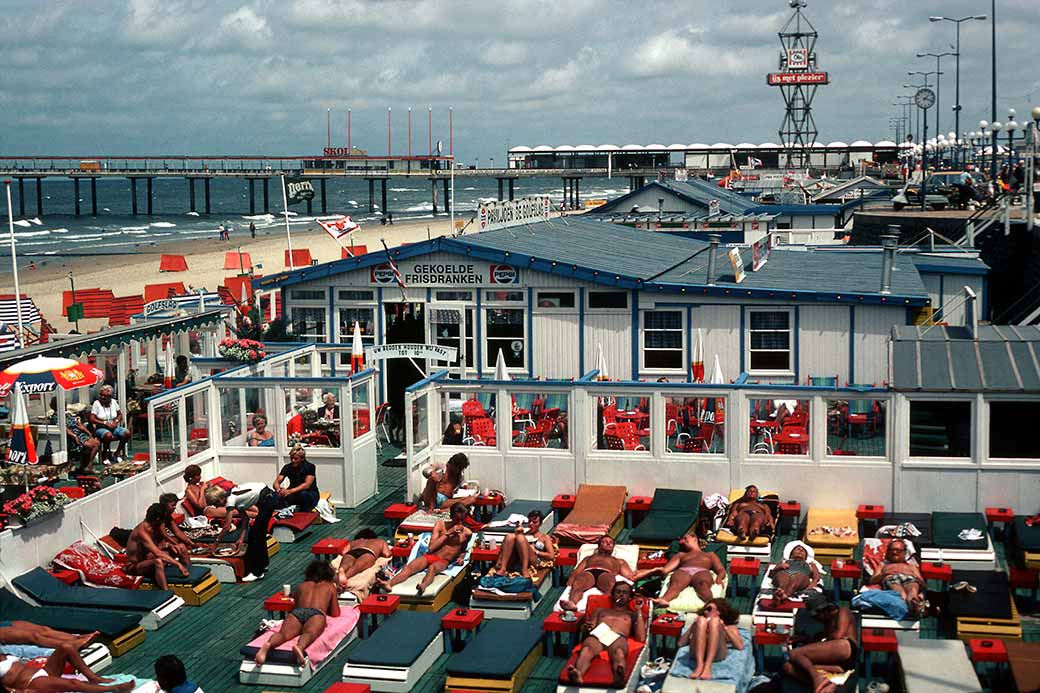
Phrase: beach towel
{"type": "Point", "coordinates": [596, 509]}
{"type": "Point", "coordinates": [501, 584]}
{"type": "Point", "coordinates": [94, 569]}
{"type": "Point", "coordinates": [737, 668]}
{"type": "Point", "coordinates": [885, 601]}
{"type": "Point", "coordinates": [336, 628]}
{"type": "Point", "coordinates": [422, 544]}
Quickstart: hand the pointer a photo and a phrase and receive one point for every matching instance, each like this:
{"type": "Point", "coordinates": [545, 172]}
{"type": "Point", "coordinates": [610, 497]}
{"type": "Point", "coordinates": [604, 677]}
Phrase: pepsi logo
{"type": "Point", "coordinates": [382, 274]}
{"type": "Point", "coordinates": [503, 274]}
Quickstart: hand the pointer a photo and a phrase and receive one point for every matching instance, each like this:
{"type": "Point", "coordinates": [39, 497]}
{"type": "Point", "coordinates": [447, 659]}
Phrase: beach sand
{"type": "Point", "coordinates": [127, 274]}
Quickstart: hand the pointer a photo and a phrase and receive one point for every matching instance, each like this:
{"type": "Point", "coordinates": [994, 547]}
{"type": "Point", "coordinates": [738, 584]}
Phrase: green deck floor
{"type": "Point", "coordinates": [208, 638]}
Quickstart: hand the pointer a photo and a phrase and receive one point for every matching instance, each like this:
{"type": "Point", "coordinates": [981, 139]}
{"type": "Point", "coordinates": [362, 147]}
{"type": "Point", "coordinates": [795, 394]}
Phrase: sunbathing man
{"type": "Point", "coordinates": [523, 556]}
{"type": "Point", "coordinates": [691, 567]}
{"type": "Point", "coordinates": [796, 573]}
{"type": "Point", "coordinates": [902, 576]}
{"type": "Point", "coordinates": [610, 630]}
{"type": "Point", "coordinates": [447, 546]}
{"type": "Point", "coordinates": [28, 633]}
{"type": "Point", "coordinates": [176, 540]}
{"type": "Point", "coordinates": [443, 484]}
{"type": "Point", "coordinates": [360, 555]}
{"type": "Point", "coordinates": [16, 675]}
{"type": "Point", "coordinates": [316, 597]}
{"type": "Point", "coordinates": [835, 650]}
{"type": "Point", "coordinates": [600, 571]}
{"type": "Point", "coordinates": [144, 556]}
{"type": "Point", "coordinates": [748, 515]}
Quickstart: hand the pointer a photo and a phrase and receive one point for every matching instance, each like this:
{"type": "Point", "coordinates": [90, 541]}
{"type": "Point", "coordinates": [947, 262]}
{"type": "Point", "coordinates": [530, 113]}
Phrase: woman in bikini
{"type": "Point", "coordinates": [316, 597]}
{"type": "Point", "coordinates": [518, 554]}
{"type": "Point", "coordinates": [441, 485]}
{"type": "Point", "coordinates": [691, 567]}
{"type": "Point", "coordinates": [16, 675]}
{"type": "Point", "coordinates": [360, 555]}
{"type": "Point", "coordinates": [711, 635]}
{"type": "Point", "coordinates": [194, 491]}
{"type": "Point", "coordinates": [796, 573]}
{"type": "Point", "coordinates": [260, 437]}
{"type": "Point", "coordinates": [748, 515]}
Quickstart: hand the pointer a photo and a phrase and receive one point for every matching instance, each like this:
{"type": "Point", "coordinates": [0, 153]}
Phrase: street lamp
{"type": "Point", "coordinates": [938, 82]}
{"type": "Point", "coordinates": [1012, 126]}
{"type": "Point", "coordinates": [957, 52]}
{"type": "Point", "coordinates": [983, 126]}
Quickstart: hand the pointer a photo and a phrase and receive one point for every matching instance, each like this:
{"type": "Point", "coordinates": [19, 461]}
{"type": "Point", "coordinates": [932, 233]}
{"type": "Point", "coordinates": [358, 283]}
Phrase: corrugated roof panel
{"type": "Point", "coordinates": [964, 364]}
{"type": "Point", "coordinates": [904, 365]}
{"type": "Point", "coordinates": [997, 369]}
{"type": "Point", "coordinates": [1023, 353]}
{"type": "Point", "coordinates": [935, 366]}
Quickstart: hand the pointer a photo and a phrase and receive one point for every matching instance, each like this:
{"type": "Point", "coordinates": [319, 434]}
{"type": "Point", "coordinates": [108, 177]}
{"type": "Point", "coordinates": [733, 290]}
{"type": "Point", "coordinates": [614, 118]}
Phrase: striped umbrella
{"type": "Point", "coordinates": [21, 450]}
{"type": "Point", "coordinates": [45, 374]}
{"type": "Point", "coordinates": [357, 348]}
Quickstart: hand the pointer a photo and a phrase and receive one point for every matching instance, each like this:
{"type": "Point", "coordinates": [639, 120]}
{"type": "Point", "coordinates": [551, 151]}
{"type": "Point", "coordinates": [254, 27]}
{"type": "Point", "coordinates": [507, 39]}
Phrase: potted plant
{"type": "Point", "coordinates": [36, 504]}
{"type": "Point", "coordinates": [246, 350]}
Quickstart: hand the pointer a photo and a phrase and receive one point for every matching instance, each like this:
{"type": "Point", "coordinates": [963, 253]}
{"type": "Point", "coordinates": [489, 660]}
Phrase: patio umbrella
{"type": "Point", "coordinates": [717, 378]}
{"type": "Point", "coordinates": [698, 358]}
{"type": "Point", "coordinates": [21, 449]}
{"type": "Point", "coordinates": [168, 366]}
{"type": "Point", "coordinates": [45, 374]}
{"type": "Point", "coordinates": [357, 348]}
{"type": "Point", "coordinates": [601, 363]}
{"type": "Point", "coordinates": [501, 373]}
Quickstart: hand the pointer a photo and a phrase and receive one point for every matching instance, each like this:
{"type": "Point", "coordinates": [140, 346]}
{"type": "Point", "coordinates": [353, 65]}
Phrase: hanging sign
{"type": "Point", "coordinates": [797, 58]}
{"type": "Point", "coordinates": [526, 210]}
{"type": "Point", "coordinates": [434, 352]}
{"type": "Point", "coordinates": [787, 78]}
{"type": "Point", "coordinates": [737, 262]}
{"type": "Point", "coordinates": [760, 250]}
{"type": "Point", "coordinates": [160, 306]}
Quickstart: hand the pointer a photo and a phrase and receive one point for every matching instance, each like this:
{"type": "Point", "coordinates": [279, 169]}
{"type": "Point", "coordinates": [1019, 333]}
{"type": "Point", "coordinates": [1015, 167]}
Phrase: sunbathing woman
{"type": "Point", "coordinates": [443, 484]}
{"type": "Point", "coordinates": [316, 597]}
{"type": "Point", "coordinates": [360, 555]}
{"type": "Point", "coordinates": [28, 633]}
{"type": "Point", "coordinates": [691, 567]}
{"type": "Point", "coordinates": [194, 491]}
{"type": "Point", "coordinates": [447, 547]}
{"type": "Point", "coordinates": [796, 573]}
{"type": "Point", "coordinates": [748, 515]}
{"type": "Point", "coordinates": [711, 635]}
{"type": "Point", "coordinates": [523, 555]}
{"type": "Point", "coordinates": [15, 675]}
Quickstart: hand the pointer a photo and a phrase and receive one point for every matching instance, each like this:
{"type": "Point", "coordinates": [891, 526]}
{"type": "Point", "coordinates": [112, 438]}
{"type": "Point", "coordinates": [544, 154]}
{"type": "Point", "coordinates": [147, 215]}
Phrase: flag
{"type": "Point", "coordinates": [753, 162]}
{"type": "Point", "coordinates": [397, 272]}
{"type": "Point", "coordinates": [298, 189]}
{"type": "Point", "coordinates": [21, 450]}
{"type": "Point", "coordinates": [357, 351]}
{"type": "Point", "coordinates": [338, 228]}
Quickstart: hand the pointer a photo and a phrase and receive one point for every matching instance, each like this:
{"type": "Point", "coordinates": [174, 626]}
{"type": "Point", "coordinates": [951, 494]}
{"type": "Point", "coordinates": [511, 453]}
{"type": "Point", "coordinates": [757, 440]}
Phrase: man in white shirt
{"type": "Point", "coordinates": [245, 496]}
{"type": "Point", "coordinates": [107, 418]}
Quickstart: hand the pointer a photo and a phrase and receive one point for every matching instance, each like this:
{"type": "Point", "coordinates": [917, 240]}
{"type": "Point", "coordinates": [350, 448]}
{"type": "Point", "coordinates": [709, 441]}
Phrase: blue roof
{"type": "Point", "coordinates": [618, 256]}
{"type": "Point", "coordinates": [694, 190]}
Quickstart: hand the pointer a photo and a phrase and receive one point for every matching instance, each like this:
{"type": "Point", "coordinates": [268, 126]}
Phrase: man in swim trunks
{"type": "Point", "coordinates": [27, 633]}
{"type": "Point", "coordinates": [447, 546]}
{"type": "Point", "coordinates": [176, 540]}
{"type": "Point", "coordinates": [901, 575]}
{"type": "Point", "coordinates": [360, 555]}
{"type": "Point", "coordinates": [835, 650]}
{"type": "Point", "coordinates": [796, 573]}
{"type": "Point", "coordinates": [600, 571]}
{"type": "Point", "coordinates": [610, 630]}
{"type": "Point", "coordinates": [748, 515]}
{"type": "Point", "coordinates": [144, 555]}
{"type": "Point", "coordinates": [16, 675]}
{"type": "Point", "coordinates": [441, 485]}
{"type": "Point", "coordinates": [691, 567]}
{"type": "Point", "coordinates": [316, 597]}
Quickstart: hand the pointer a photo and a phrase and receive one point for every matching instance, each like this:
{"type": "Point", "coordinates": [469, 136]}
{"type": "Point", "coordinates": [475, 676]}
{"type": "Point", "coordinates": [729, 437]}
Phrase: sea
{"type": "Point", "coordinates": [59, 233]}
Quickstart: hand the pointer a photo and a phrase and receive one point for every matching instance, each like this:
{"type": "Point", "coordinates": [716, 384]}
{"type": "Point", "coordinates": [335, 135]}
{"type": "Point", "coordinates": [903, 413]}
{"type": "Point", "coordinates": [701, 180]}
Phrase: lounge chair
{"type": "Point", "coordinates": [762, 545]}
{"type": "Point", "coordinates": [731, 675]}
{"type": "Point", "coordinates": [989, 611]}
{"type": "Point", "coordinates": [360, 585]}
{"type": "Point", "coordinates": [281, 669]}
{"type": "Point", "coordinates": [870, 616]}
{"type": "Point", "coordinates": [196, 589]}
{"type": "Point", "coordinates": [120, 632]}
{"type": "Point", "coordinates": [599, 676]}
{"type": "Point", "coordinates": [948, 546]}
{"type": "Point", "coordinates": [922, 522]}
{"type": "Point", "coordinates": [629, 553]}
{"type": "Point", "coordinates": [673, 513]}
{"type": "Point", "coordinates": [289, 529]}
{"type": "Point", "coordinates": [598, 510]}
{"type": "Point", "coordinates": [397, 654]}
{"type": "Point", "coordinates": [934, 666]}
{"type": "Point", "coordinates": [1024, 540]}
{"type": "Point", "coordinates": [1024, 662]}
{"type": "Point", "coordinates": [155, 608]}
{"type": "Point", "coordinates": [418, 522]}
{"type": "Point", "coordinates": [766, 611]}
{"type": "Point", "coordinates": [498, 659]}
{"type": "Point", "coordinates": [836, 543]}
{"type": "Point", "coordinates": [440, 590]}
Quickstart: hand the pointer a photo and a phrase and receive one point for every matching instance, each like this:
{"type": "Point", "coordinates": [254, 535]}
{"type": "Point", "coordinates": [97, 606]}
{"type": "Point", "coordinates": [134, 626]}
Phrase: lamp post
{"type": "Point", "coordinates": [1034, 140]}
{"type": "Point", "coordinates": [1012, 126]}
{"type": "Point", "coordinates": [938, 82]}
{"type": "Point", "coordinates": [957, 21]}
{"type": "Point", "coordinates": [994, 129]}
{"type": "Point", "coordinates": [983, 126]}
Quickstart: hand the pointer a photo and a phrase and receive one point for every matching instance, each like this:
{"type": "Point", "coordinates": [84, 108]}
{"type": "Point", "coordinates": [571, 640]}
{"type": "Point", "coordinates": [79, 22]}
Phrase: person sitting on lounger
{"type": "Point", "coordinates": [28, 633]}
{"type": "Point", "coordinates": [527, 550]}
{"type": "Point", "coordinates": [316, 597]}
{"type": "Point", "coordinates": [610, 630]}
{"type": "Point", "coordinates": [302, 491]}
{"type": "Point", "coordinates": [711, 635]}
{"type": "Point", "coordinates": [194, 491]}
{"type": "Point", "coordinates": [443, 484]}
{"type": "Point", "coordinates": [748, 515]}
{"type": "Point", "coordinates": [16, 675]}
{"type": "Point", "coordinates": [691, 567]}
{"type": "Point", "coordinates": [447, 546]}
{"type": "Point", "coordinates": [175, 537]}
{"type": "Point", "coordinates": [360, 555]}
{"type": "Point", "coordinates": [796, 573]}
{"type": "Point", "coordinates": [901, 575]}
{"type": "Point", "coordinates": [834, 650]}
{"type": "Point", "coordinates": [600, 571]}
{"type": "Point", "coordinates": [144, 552]}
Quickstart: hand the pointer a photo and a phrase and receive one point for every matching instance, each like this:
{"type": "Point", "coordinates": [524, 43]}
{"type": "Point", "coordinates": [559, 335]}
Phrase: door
{"type": "Point", "coordinates": [405, 324]}
{"type": "Point", "coordinates": [451, 325]}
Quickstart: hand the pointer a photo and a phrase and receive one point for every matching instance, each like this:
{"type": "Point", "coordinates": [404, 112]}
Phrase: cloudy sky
{"type": "Point", "coordinates": [209, 76]}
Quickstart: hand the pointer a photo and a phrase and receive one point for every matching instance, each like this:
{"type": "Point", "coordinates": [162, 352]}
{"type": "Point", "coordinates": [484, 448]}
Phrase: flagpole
{"type": "Point", "coordinates": [14, 265]}
{"type": "Point", "coordinates": [451, 206]}
{"type": "Point", "coordinates": [285, 207]}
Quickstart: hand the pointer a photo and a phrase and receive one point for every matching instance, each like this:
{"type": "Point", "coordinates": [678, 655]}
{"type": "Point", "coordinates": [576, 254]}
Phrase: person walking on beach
{"type": "Point", "coordinates": [252, 230]}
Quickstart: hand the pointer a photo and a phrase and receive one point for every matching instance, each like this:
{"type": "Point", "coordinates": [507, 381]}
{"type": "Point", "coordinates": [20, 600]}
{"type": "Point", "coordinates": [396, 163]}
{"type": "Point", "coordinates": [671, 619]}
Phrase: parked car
{"type": "Point", "coordinates": [940, 191]}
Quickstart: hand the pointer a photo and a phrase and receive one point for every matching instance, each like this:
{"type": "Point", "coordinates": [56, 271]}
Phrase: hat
{"type": "Point", "coordinates": [816, 602]}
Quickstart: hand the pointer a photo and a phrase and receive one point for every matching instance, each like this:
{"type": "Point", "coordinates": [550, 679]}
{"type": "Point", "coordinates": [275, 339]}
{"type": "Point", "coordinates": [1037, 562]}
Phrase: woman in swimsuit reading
{"type": "Point", "coordinates": [360, 555]}
{"type": "Point", "coordinates": [525, 556]}
{"type": "Point", "coordinates": [796, 573]}
{"type": "Point", "coordinates": [260, 437]}
{"type": "Point", "coordinates": [711, 635]}
{"type": "Point", "coordinates": [316, 597]}
{"type": "Point", "coordinates": [748, 515]}
{"type": "Point", "coordinates": [442, 485]}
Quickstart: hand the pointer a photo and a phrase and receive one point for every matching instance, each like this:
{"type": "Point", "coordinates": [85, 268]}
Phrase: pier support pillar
{"type": "Point", "coordinates": [382, 198]}
{"type": "Point", "coordinates": [148, 192]}
{"type": "Point", "coordinates": [371, 195]}
{"type": "Point", "coordinates": [93, 196]}
{"type": "Point", "coordinates": [512, 189]}
{"type": "Point", "coordinates": [267, 197]}
{"type": "Point", "coordinates": [39, 196]}
{"type": "Point", "coordinates": [447, 198]}
{"type": "Point", "coordinates": [433, 189]}
{"type": "Point", "coordinates": [75, 193]}
{"type": "Point", "coordinates": [500, 181]}
{"type": "Point", "coordinates": [21, 197]}
{"type": "Point", "coordinates": [252, 199]}
{"type": "Point", "coordinates": [191, 194]}
{"type": "Point", "coordinates": [310, 206]}
{"type": "Point", "coordinates": [324, 207]}
{"type": "Point", "coordinates": [133, 196]}
{"type": "Point", "coordinates": [577, 193]}
{"type": "Point", "coordinates": [566, 190]}
{"type": "Point", "coordinates": [205, 189]}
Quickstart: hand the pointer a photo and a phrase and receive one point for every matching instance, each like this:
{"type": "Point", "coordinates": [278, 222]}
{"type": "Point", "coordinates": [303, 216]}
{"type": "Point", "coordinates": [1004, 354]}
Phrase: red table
{"type": "Point", "coordinates": [870, 512]}
{"type": "Point", "coordinates": [398, 512]}
{"type": "Point", "coordinates": [1024, 578]}
{"type": "Point", "coordinates": [566, 558]}
{"type": "Point", "coordinates": [278, 604]}
{"type": "Point", "coordinates": [553, 625]}
{"type": "Point", "coordinates": [877, 640]}
{"type": "Point", "coordinates": [349, 688]}
{"type": "Point", "coordinates": [848, 570]}
{"type": "Point", "coordinates": [987, 650]}
{"type": "Point", "coordinates": [792, 509]}
{"type": "Point", "coordinates": [636, 504]}
{"type": "Point", "coordinates": [483, 557]}
{"type": "Point", "coordinates": [666, 626]}
{"type": "Point", "coordinates": [634, 416]}
{"type": "Point", "coordinates": [743, 566]}
{"type": "Point", "coordinates": [400, 552]}
{"type": "Point", "coordinates": [562, 504]}
{"type": "Point", "coordinates": [765, 638]}
{"type": "Point", "coordinates": [327, 549]}
{"type": "Point", "coordinates": [645, 563]}
{"type": "Point", "coordinates": [943, 572]}
{"type": "Point", "coordinates": [376, 605]}
{"type": "Point", "coordinates": [1003, 515]}
{"type": "Point", "coordinates": [494, 501]}
{"type": "Point", "coordinates": [457, 622]}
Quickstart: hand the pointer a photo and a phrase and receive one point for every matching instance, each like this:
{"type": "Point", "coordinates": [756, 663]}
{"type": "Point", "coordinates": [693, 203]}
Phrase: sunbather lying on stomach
{"type": "Point", "coordinates": [748, 516]}
{"type": "Point", "coordinates": [600, 570]}
{"type": "Point", "coordinates": [447, 546]}
{"type": "Point", "coordinates": [900, 575]}
{"type": "Point", "coordinates": [610, 629]}
{"type": "Point", "coordinates": [316, 597]}
{"type": "Point", "coordinates": [15, 675]}
{"type": "Point", "coordinates": [360, 555]}
{"type": "Point", "coordinates": [28, 633]}
{"type": "Point", "coordinates": [691, 567]}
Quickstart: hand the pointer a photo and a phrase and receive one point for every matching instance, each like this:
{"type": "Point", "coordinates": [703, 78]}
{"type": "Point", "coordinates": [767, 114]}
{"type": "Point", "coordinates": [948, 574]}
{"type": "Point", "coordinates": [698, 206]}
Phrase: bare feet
{"type": "Point", "coordinates": [619, 676]}
{"type": "Point", "coordinates": [568, 605]}
{"type": "Point", "coordinates": [261, 655]}
{"type": "Point", "coordinates": [301, 658]}
{"type": "Point", "coordinates": [573, 676]}
{"type": "Point", "coordinates": [705, 674]}
{"type": "Point", "coordinates": [419, 589]}
{"type": "Point", "coordinates": [696, 673]}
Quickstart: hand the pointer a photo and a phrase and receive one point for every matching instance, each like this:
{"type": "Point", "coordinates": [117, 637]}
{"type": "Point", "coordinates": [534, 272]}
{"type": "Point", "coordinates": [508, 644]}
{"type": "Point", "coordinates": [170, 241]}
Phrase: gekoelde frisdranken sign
{"type": "Point", "coordinates": [421, 273]}
{"type": "Point", "coordinates": [298, 190]}
{"type": "Point", "coordinates": [497, 215]}
{"type": "Point", "coordinates": [434, 352]}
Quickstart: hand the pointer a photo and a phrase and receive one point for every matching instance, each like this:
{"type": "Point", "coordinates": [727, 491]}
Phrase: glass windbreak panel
{"type": "Point", "coordinates": [365, 318]}
{"type": "Point", "coordinates": [254, 429]}
{"type": "Point", "coordinates": [41, 409]}
{"type": "Point", "coordinates": [779, 427]}
{"type": "Point", "coordinates": [302, 365]}
{"type": "Point", "coordinates": [451, 424]}
{"type": "Point", "coordinates": [478, 419]}
{"type": "Point", "coordinates": [420, 423]}
{"type": "Point", "coordinates": [320, 417]}
{"type": "Point", "coordinates": [623, 423]}
{"type": "Point", "coordinates": [167, 421]}
{"type": "Point", "coordinates": [505, 333]}
{"type": "Point", "coordinates": [856, 427]}
{"type": "Point", "coordinates": [278, 370]}
{"type": "Point", "coordinates": [940, 428]}
{"type": "Point", "coordinates": [196, 416]}
{"type": "Point", "coordinates": [1008, 438]}
{"type": "Point", "coordinates": [231, 415]}
{"type": "Point", "coordinates": [695, 424]}
{"type": "Point", "coordinates": [361, 402]}
{"type": "Point", "coordinates": [540, 420]}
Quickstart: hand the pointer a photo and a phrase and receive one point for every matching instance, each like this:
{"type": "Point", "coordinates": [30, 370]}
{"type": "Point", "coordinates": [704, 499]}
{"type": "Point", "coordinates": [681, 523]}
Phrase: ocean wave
{"type": "Point", "coordinates": [162, 224]}
{"type": "Point", "coordinates": [421, 207]}
{"type": "Point", "coordinates": [133, 228]}
{"type": "Point", "coordinates": [84, 239]}
{"type": "Point", "coordinates": [30, 234]}
{"type": "Point", "coordinates": [22, 222]}
{"type": "Point", "coordinates": [352, 202]}
{"type": "Point", "coordinates": [404, 190]}
{"type": "Point", "coordinates": [259, 217]}
{"type": "Point", "coordinates": [61, 230]}
{"type": "Point", "coordinates": [191, 214]}
{"type": "Point", "coordinates": [469, 188]}
{"type": "Point", "coordinates": [35, 220]}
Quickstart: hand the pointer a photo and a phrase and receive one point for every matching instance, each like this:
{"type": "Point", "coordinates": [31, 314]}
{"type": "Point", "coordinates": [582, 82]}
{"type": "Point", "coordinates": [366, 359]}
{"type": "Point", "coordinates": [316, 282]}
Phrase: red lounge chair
{"type": "Point", "coordinates": [173, 263]}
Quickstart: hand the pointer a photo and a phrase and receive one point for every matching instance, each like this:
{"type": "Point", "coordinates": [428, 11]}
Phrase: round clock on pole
{"type": "Point", "coordinates": [924, 98]}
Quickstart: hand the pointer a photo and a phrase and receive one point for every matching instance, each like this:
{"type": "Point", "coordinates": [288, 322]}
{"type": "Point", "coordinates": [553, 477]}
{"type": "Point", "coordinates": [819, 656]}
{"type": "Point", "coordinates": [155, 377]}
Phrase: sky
{"type": "Point", "coordinates": [107, 77]}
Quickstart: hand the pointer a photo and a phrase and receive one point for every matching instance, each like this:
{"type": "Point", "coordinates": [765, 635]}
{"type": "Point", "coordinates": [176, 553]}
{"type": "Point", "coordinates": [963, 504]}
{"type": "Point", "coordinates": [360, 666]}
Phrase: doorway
{"type": "Point", "coordinates": [405, 324]}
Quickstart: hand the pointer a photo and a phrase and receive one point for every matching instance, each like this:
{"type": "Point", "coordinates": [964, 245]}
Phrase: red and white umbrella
{"type": "Point", "coordinates": [45, 374]}
{"type": "Point", "coordinates": [357, 350]}
{"type": "Point", "coordinates": [22, 449]}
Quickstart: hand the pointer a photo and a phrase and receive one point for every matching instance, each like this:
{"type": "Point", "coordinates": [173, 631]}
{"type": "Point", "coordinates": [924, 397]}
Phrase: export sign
{"type": "Point", "coordinates": [422, 273]}
{"type": "Point", "coordinates": [783, 79]}
{"type": "Point", "coordinates": [526, 210]}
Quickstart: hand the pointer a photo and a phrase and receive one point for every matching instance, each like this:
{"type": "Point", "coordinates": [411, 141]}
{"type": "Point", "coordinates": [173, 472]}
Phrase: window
{"type": "Point", "coordinates": [444, 322]}
{"type": "Point", "coordinates": [779, 427]}
{"type": "Point", "coordinates": [197, 418]}
{"type": "Point", "coordinates": [167, 422]}
{"type": "Point", "coordinates": [505, 332]}
{"type": "Point", "coordinates": [504, 296]}
{"type": "Point", "coordinates": [540, 420]}
{"type": "Point", "coordinates": [695, 424]}
{"type": "Point", "coordinates": [231, 415]}
{"type": "Point", "coordinates": [608, 299]}
{"type": "Point", "coordinates": [555, 299]}
{"type": "Point", "coordinates": [453, 295]}
{"type": "Point", "coordinates": [663, 340]}
{"type": "Point", "coordinates": [355, 296]}
{"type": "Point", "coordinates": [623, 423]}
{"type": "Point", "coordinates": [365, 318]}
{"type": "Point", "coordinates": [856, 427]}
{"type": "Point", "coordinates": [309, 324]}
{"type": "Point", "coordinates": [307, 295]}
{"type": "Point", "coordinates": [769, 340]}
{"type": "Point", "coordinates": [1008, 437]}
{"type": "Point", "coordinates": [420, 414]}
{"type": "Point", "coordinates": [361, 402]}
{"type": "Point", "coordinates": [940, 429]}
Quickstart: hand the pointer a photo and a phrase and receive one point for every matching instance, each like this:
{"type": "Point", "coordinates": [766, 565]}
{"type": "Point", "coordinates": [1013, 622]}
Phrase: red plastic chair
{"type": "Point", "coordinates": [198, 434]}
{"type": "Point", "coordinates": [481, 432]}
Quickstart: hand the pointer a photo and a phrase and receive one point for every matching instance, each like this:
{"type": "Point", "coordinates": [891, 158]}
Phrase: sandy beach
{"type": "Point", "coordinates": [126, 274]}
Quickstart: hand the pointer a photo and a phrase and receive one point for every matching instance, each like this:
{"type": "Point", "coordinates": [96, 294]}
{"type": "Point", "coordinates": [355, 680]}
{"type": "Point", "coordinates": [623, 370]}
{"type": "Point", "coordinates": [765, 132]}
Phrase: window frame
{"type": "Point", "coordinates": [972, 432]}
{"type": "Point", "coordinates": [573, 308]}
{"type": "Point", "coordinates": [683, 331]}
{"type": "Point", "coordinates": [310, 306]}
{"type": "Point", "coordinates": [597, 292]}
{"type": "Point", "coordinates": [489, 357]}
{"type": "Point", "coordinates": [792, 337]}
